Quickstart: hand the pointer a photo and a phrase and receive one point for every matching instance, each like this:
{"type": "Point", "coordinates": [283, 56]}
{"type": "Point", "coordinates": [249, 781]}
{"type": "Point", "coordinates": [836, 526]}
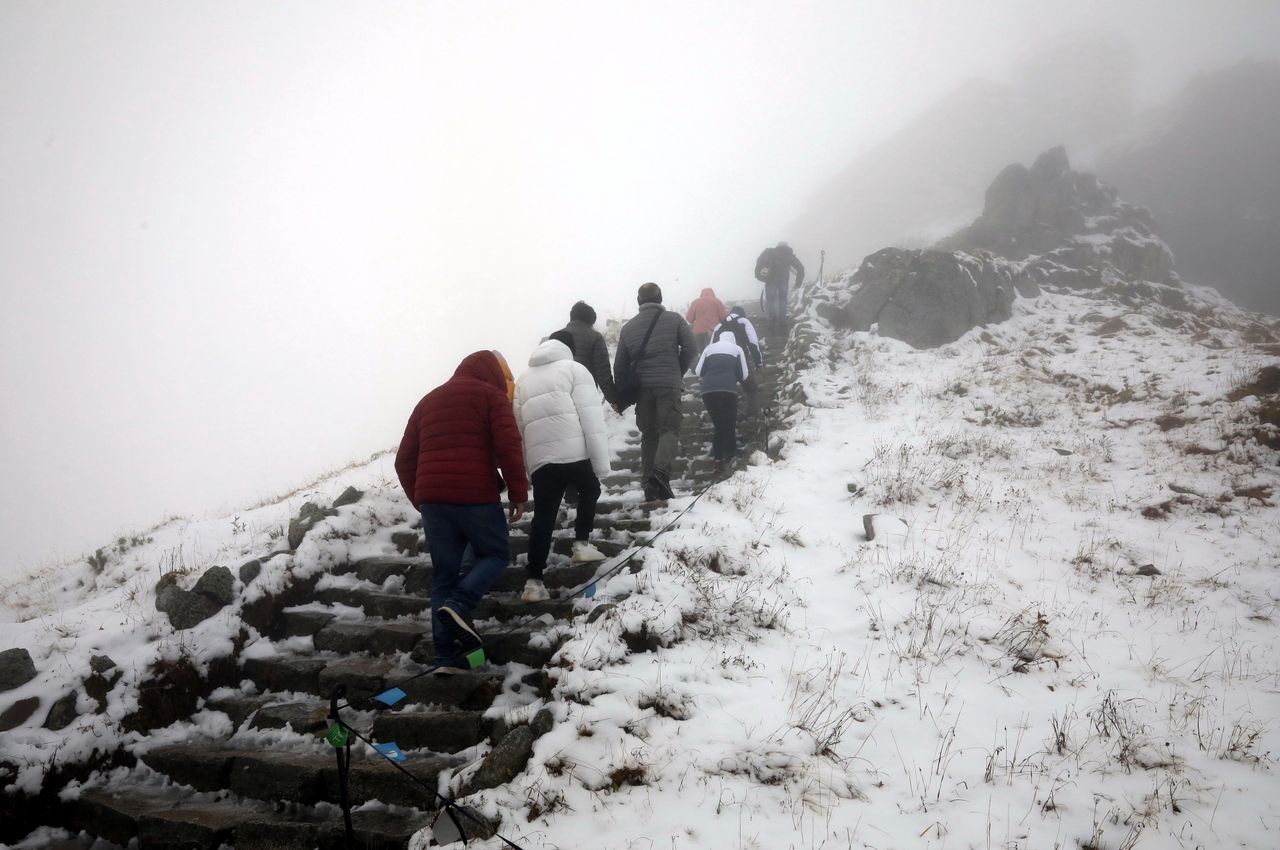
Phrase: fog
{"type": "Point", "coordinates": [238, 241]}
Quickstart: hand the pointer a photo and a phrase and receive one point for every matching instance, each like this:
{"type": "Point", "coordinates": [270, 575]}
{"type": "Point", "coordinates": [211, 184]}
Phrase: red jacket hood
{"type": "Point", "coordinates": [483, 366]}
{"type": "Point", "coordinates": [708, 293]}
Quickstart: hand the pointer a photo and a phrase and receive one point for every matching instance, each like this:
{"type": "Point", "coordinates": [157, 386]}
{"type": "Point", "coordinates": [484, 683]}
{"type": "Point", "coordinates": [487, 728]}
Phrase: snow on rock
{"type": "Point", "coordinates": [1043, 225]}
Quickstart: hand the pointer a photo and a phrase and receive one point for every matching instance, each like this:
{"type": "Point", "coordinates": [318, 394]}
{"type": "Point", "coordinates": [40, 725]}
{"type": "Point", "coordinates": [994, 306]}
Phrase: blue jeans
{"type": "Point", "coordinates": [775, 300]}
{"type": "Point", "coordinates": [451, 530]}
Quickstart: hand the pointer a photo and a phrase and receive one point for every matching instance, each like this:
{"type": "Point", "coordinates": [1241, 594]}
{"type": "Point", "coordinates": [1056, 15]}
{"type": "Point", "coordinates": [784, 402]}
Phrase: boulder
{"type": "Point", "coordinates": [250, 570]}
{"type": "Point", "coordinates": [100, 664]}
{"type": "Point", "coordinates": [184, 607]}
{"type": "Point", "coordinates": [349, 496]}
{"type": "Point", "coordinates": [18, 713]}
{"type": "Point", "coordinates": [307, 517]}
{"type": "Point", "coordinates": [407, 542]}
{"type": "Point", "coordinates": [218, 585]}
{"type": "Point", "coordinates": [505, 761]}
{"type": "Point", "coordinates": [16, 668]}
{"type": "Point", "coordinates": [62, 713]}
{"type": "Point", "coordinates": [928, 298]}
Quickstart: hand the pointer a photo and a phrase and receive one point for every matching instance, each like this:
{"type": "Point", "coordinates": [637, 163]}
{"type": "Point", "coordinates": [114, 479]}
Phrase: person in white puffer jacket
{"type": "Point", "coordinates": [560, 413]}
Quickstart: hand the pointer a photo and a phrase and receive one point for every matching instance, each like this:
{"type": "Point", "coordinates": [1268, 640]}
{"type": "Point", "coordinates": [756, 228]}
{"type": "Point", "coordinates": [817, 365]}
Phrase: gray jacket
{"type": "Point", "coordinates": [590, 349]}
{"type": "Point", "coordinates": [668, 355]}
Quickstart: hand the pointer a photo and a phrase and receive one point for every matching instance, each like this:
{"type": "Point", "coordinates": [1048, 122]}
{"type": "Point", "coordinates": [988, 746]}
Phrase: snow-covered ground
{"type": "Point", "coordinates": [1062, 635]}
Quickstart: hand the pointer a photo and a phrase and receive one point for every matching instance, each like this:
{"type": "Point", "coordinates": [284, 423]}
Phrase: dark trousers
{"type": "Point", "coordinates": [549, 483]}
{"type": "Point", "coordinates": [703, 340]}
{"type": "Point", "coordinates": [723, 410]}
{"type": "Point", "coordinates": [450, 530]}
{"type": "Point", "coordinates": [658, 415]}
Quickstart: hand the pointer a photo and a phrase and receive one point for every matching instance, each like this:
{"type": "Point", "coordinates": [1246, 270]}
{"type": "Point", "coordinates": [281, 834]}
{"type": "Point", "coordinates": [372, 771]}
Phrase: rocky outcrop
{"type": "Point", "coordinates": [928, 298]}
{"type": "Point", "coordinates": [1043, 226]}
{"type": "Point", "coordinates": [1074, 229]}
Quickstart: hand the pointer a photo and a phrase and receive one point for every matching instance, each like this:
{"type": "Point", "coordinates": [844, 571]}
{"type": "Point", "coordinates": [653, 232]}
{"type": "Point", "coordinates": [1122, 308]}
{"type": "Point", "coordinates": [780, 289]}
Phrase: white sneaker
{"type": "Point", "coordinates": [534, 591]}
{"type": "Point", "coordinates": [585, 553]}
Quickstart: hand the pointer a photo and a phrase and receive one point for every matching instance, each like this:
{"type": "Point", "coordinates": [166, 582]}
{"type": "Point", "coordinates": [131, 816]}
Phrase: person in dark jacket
{"type": "Point", "coordinates": [590, 348]}
{"type": "Point", "coordinates": [773, 269]}
{"type": "Point", "coordinates": [744, 333]}
{"type": "Point", "coordinates": [660, 365]}
{"type": "Point", "coordinates": [457, 437]}
{"type": "Point", "coordinates": [722, 366]}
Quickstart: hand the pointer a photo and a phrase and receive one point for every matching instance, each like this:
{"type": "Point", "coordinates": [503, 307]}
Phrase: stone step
{"type": "Point", "coordinates": [267, 711]}
{"type": "Point", "coordinates": [373, 638]}
{"type": "Point", "coordinates": [169, 819]}
{"type": "Point", "coordinates": [365, 676]}
{"type": "Point", "coordinates": [560, 573]}
{"type": "Point", "coordinates": [401, 637]}
{"type": "Point", "coordinates": [564, 545]}
{"type": "Point", "coordinates": [310, 777]}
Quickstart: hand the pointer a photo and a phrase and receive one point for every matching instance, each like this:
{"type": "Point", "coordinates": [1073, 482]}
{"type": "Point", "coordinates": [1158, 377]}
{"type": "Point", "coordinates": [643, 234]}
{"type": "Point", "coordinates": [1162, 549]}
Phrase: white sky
{"type": "Point", "coordinates": [239, 240]}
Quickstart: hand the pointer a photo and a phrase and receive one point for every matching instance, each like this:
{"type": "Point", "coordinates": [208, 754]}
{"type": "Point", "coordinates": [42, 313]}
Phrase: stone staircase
{"type": "Point", "coordinates": [365, 625]}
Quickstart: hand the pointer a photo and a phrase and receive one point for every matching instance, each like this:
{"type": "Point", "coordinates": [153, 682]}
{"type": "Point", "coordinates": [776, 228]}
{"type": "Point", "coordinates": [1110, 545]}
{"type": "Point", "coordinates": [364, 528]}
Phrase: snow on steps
{"type": "Point", "coordinates": [362, 625]}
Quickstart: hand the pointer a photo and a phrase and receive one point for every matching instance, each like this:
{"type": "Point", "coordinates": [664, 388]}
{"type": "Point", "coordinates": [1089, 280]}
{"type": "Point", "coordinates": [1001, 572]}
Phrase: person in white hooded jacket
{"type": "Point", "coordinates": [560, 413]}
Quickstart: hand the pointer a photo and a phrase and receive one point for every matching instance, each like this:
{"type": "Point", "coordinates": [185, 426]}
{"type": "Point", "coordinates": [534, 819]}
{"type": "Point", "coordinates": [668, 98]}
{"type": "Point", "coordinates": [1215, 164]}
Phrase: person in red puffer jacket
{"type": "Point", "coordinates": [457, 437]}
{"type": "Point", "coordinates": [704, 314]}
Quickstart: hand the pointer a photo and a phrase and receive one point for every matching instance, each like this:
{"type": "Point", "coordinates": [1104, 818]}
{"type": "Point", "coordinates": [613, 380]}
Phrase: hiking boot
{"type": "Point", "coordinates": [460, 629]}
{"type": "Point", "coordinates": [534, 591]}
{"type": "Point", "coordinates": [448, 667]}
{"type": "Point", "coordinates": [660, 483]}
{"type": "Point", "coordinates": [585, 553]}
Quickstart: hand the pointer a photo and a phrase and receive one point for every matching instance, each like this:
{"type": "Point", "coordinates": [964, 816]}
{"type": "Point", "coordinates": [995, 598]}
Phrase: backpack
{"type": "Point", "coordinates": [735, 325]}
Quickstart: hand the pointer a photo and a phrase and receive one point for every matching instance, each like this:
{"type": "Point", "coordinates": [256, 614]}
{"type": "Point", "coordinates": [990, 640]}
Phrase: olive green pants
{"type": "Point", "coordinates": [658, 415]}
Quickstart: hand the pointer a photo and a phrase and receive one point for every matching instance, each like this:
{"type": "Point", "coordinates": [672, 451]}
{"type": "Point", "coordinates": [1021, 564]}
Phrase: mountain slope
{"type": "Point", "coordinates": [1208, 167]}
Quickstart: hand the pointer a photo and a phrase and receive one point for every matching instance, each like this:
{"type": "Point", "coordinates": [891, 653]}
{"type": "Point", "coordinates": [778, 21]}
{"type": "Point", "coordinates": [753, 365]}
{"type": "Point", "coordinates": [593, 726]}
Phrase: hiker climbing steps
{"type": "Point", "coordinates": [365, 625]}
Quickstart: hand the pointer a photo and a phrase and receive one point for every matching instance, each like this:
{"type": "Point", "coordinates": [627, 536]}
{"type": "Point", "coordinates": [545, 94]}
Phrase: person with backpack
{"type": "Point", "coordinates": [773, 269]}
{"type": "Point", "coordinates": [590, 348]}
{"type": "Point", "coordinates": [560, 416]}
{"type": "Point", "coordinates": [655, 349]}
{"type": "Point", "coordinates": [456, 439]}
{"type": "Point", "coordinates": [704, 314]}
{"type": "Point", "coordinates": [722, 366]}
{"type": "Point", "coordinates": [744, 334]}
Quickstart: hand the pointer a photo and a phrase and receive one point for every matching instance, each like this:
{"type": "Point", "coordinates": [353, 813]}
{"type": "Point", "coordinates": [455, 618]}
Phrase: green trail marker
{"type": "Point", "coordinates": [337, 736]}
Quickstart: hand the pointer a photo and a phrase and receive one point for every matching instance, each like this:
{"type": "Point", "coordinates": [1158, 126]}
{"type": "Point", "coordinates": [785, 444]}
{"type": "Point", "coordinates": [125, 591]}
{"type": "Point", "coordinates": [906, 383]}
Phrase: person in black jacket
{"type": "Point", "coordinates": [722, 367]}
{"type": "Point", "coordinates": [744, 333]}
{"type": "Point", "coordinates": [773, 268]}
{"type": "Point", "coordinates": [591, 350]}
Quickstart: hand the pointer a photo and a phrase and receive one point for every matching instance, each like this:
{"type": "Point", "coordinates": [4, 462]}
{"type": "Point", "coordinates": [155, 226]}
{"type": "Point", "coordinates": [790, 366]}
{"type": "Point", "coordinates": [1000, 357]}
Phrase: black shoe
{"type": "Point", "coordinates": [460, 629]}
{"type": "Point", "coordinates": [660, 483]}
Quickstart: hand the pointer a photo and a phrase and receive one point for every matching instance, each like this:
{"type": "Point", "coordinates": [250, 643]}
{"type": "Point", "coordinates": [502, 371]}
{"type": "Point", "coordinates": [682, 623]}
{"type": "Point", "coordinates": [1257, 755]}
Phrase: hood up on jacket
{"type": "Point", "coordinates": [708, 292]}
{"type": "Point", "coordinates": [550, 351]}
{"type": "Point", "coordinates": [483, 366]}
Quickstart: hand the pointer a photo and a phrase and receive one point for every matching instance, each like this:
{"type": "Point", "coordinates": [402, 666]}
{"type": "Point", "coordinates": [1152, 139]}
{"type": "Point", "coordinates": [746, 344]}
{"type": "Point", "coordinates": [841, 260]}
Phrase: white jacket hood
{"type": "Point", "coordinates": [560, 411]}
{"type": "Point", "coordinates": [549, 351]}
